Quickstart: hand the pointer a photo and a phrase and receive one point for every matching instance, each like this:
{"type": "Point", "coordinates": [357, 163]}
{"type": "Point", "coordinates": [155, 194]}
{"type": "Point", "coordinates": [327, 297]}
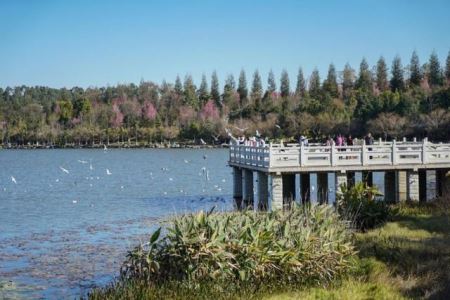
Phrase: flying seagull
{"type": "Point", "coordinates": [108, 172]}
{"type": "Point", "coordinates": [64, 170]}
{"type": "Point", "coordinates": [13, 180]}
{"type": "Point", "coordinates": [241, 129]}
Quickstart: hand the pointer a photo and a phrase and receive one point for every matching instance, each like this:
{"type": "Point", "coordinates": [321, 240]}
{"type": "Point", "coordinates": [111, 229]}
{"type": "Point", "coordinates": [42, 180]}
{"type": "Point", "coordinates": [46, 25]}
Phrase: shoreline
{"type": "Point", "coordinates": [114, 146]}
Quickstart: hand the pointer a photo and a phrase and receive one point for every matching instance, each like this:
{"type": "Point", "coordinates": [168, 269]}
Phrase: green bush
{"type": "Point", "coordinates": [302, 245]}
{"type": "Point", "coordinates": [359, 205]}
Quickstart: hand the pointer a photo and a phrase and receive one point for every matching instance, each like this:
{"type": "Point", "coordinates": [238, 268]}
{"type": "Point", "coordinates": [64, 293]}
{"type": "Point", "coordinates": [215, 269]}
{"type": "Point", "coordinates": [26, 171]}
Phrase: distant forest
{"type": "Point", "coordinates": [411, 100]}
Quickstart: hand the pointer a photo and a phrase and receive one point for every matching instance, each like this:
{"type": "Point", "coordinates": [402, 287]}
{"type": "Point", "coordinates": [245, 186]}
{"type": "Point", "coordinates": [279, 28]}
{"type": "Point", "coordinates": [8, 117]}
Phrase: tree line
{"type": "Point", "coordinates": [411, 100]}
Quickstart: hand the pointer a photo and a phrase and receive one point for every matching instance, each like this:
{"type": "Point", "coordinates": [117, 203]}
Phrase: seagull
{"type": "Point", "coordinates": [202, 141]}
{"type": "Point", "coordinates": [277, 126]}
{"type": "Point", "coordinates": [257, 133]}
{"type": "Point", "coordinates": [64, 170]}
{"type": "Point", "coordinates": [170, 179]}
{"type": "Point", "coordinates": [186, 161]}
{"type": "Point", "coordinates": [241, 129]}
{"type": "Point", "coordinates": [13, 180]}
{"type": "Point", "coordinates": [104, 147]}
{"type": "Point", "coordinates": [216, 138]}
{"type": "Point", "coordinates": [74, 201]}
{"type": "Point", "coordinates": [108, 172]}
{"type": "Point", "coordinates": [90, 167]}
{"type": "Point", "coordinates": [82, 161]}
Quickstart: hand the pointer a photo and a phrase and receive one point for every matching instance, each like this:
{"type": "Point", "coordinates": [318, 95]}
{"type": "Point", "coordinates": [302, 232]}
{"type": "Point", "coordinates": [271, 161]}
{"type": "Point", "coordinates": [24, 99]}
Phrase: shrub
{"type": "Point", "coordinates": [359, 205]}
{"type": "Point", "coordinates": [304, 244]}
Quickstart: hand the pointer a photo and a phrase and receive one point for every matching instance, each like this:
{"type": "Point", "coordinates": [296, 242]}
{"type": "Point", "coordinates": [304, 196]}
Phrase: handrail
{"type": "Point", "coordinates": [314, 155]}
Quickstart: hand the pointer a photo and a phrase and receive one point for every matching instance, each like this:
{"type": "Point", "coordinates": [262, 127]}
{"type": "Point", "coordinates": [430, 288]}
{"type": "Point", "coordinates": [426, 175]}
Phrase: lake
{"type": "Point", "coordinates": [68, 217]}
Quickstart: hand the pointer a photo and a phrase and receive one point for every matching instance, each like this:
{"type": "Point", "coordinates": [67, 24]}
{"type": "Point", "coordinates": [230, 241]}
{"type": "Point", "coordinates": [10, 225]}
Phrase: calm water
{"type": "Point", "coordinates": [63, 233]}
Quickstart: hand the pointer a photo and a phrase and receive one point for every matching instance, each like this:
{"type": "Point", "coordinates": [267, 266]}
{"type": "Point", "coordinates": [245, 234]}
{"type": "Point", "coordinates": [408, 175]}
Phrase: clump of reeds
{"type": "Point", "coordinates": [308, 244]}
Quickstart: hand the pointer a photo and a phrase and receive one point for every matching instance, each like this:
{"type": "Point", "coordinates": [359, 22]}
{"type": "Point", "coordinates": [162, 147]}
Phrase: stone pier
{"type": "Point", "coordinates": [248, 195]}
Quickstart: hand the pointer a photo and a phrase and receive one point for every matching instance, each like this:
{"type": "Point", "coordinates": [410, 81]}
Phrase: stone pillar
{"type": "Point", "coordinates": [276, 192]}
{"type": "Point", "coordinates": [400, 186]}
{"type": "Point", "coordinates": [340, 180]}
{"type": "Point", "coordinates": [413, 185]}
{"type": "Point", "coordinates": [389, 186]}
{"type": "Point", "coordinates": [288, 189]}
{"type": "Point", "coordinates": [305, 188]}
{"type": "Point", "coordinates": [237, 187]}
{"type": "Point", "coordinates": [263, 191]}
{"type": "Point", "coordinates": [247, 182]}
{"type": "Point", "coordinates": [431, 185]}
{"type": "Point", "coordinates": [358, 177]}
{"type": "Point", "coordinates": [313, 188]}
{"type": "Point", "coordinates": [322, 187]}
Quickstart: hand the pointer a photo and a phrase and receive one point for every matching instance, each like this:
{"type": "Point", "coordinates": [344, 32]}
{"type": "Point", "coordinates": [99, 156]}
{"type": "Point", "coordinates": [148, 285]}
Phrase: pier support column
{"type": "Point", "coordinates": [276, 192]}
{"type": "Point", "coordinates": [305, 187]}
{"type": "Point", "coordinates": [400, 186]}
{"type": "Point", "coordinates": [389, 186]}
{"type": "Point", "coordinates": [248, 188]}
{"type": "Point", "coordinates": [322, 187]}
{"type": "Point", "coordinates": [288, 190]}
{"type": "Point", "coordinates": [340, 180]}
{"type": "Point", "coordinates": [263, 191]}
{"type": "Point", "coordinates": [237, 187]}
{"type": "Point", "coordinates": [431, 185]}
{"type": "Point", "coordinates": [413, 185]}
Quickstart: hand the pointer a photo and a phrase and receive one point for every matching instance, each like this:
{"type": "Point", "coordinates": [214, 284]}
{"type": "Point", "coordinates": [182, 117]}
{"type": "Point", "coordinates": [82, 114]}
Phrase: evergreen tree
{"type": "Point", "coordinates": [348, 81]}
{"type": "Point", "coordinates": [284, 84]}
{"type": "Point", "coordinates": [178, 86]}
{"type": "Point", "coordinates": [330, 85]}
{"type": "Point", "coordinates": [447, 68]}
{"type": "Point", "coordinates": [242, 87]}
{"type": "Point", "coordinates": [203, 95]}
{"type": "Point", "coordinates": [382, 81]}
{"type": "Point", "coordinates": [190, 97]}
{"type": "Point", "coordinates": [215, 93]}
{"type": "Point", "coordinates": [271, 84]}
{"type": "Point", "coordinates": [229, 89]}
{"type": "Point", "coordinates": [314, 84]}
{"type": "Point", "coordinates": [397, 81]}
{"type": "Point", "coordinates": [435, 73]}
{"type": "Point", "coordinates": [300, 90]}
{"type": "Point", "coordinates": [257, 91]}
{"type": "Point", "coordinates": [364, 82]}
{"type": "Point", "coordinates": [414, 68]}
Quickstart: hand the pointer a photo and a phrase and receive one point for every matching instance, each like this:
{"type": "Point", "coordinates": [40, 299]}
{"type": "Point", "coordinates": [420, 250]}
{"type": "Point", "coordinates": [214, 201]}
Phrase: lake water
{"type": "Point", "coordinates": [70, 217]}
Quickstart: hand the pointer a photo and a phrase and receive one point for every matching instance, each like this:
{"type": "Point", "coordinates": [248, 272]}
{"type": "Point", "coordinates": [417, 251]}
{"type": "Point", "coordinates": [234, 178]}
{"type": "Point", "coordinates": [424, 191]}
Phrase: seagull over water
{"type": "Point", "coordinates": [108, 172]}
{"type": "Point", "coordinates": [13, 179]}
{"type": "Point", "coordinates": [64, 170]}
{"type": "Point", "coordinates": [82, 161]}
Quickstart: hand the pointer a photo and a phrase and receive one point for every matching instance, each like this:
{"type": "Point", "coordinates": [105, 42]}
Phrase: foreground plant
{"type": "Point", "coordinates": [308, 244]}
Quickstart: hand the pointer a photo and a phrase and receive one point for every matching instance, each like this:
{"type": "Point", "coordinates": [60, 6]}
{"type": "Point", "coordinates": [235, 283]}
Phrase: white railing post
{"type": "Point", "coordinates": [302, 155]}
{"type": "Point", "coordinates": [333, 154]}
{"type": "Point", "coordinates": [424, 151]}
{"type": "Point", "coordinates": [394, 152]}
{"type": "Point", "coordinates": [363, 153]}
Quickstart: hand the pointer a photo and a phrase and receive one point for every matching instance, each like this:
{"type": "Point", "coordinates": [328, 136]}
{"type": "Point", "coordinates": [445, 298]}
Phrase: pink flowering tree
{"type": "Point", "coordinates": [117, 116]}
{"type": "Point", "coordinates": [149, 111]}
{"type": "Point", "coordinates": [209, 111]}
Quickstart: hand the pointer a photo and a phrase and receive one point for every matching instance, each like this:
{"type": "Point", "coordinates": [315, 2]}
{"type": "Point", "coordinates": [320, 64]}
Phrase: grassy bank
{"type": "Point", "coordinates": [407, 257]}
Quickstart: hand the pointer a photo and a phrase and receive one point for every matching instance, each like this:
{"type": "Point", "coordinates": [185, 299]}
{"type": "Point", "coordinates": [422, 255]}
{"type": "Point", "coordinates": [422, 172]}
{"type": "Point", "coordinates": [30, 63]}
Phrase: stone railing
{"type": "Point", "coordinates": [315, 155]}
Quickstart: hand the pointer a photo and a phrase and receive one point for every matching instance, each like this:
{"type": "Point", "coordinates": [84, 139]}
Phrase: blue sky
{"type": "Point", "coordinates": [96, 43]}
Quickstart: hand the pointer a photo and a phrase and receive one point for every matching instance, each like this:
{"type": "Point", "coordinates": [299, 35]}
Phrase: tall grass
{"type": "Point", "coordinates": [303, 245]}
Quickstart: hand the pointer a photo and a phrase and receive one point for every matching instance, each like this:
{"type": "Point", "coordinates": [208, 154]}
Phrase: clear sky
{"type": "Point", "coordinates": [96, 43]}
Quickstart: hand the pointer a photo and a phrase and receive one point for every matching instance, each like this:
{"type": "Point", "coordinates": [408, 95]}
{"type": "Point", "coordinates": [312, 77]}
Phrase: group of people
{"type": "Point", "coordinates": [339, 140]}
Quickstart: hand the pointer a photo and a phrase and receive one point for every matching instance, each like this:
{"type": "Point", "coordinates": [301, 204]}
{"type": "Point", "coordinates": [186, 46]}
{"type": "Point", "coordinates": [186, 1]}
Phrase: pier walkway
{"type": "Point", "coordinates": [412, 170]}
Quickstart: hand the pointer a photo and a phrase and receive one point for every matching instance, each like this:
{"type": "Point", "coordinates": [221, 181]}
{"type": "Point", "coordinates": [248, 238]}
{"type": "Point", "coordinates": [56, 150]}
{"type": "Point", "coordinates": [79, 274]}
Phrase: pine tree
{"type": "Point", "coordinates": [447, 68]}
{"type": "Point", "coordinates": [284, 84]}
{"type": "Point", "coordinates": [300, 90]}
{"type": "Point", "coordinates": [178, 86]}
{"type": "Point", "coordinates": [348, 81]}
{"type": "Point", "coordinates": [330, 84]}
{"type": "Point", "coordinates": [271, 84]}
{"type": "Point", "coordinates": [397, 81]}
{"type": "Point", "coordinates": [257, 91]}
{"type": "Point", "coordinates": [314, 84]}
{"type": "Point", "coordinates": [414, 68]}
{"type": "Point", "coordinates": [203, 95]}
{"type": "Point", "coordinates": [435, 75]}
{"type": "Point", "coordinates": [242, 87]}
{"type": "Point", "coordinates": [229, 89]}
{"type": "Point", "coordinates": [190, 97]}
{"type": "Point", "coordinates": [364, 82]}
{"type": "Point", "coordinates": [382, 81]}
{"type": "Point", "coordinates": [215, 93]}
